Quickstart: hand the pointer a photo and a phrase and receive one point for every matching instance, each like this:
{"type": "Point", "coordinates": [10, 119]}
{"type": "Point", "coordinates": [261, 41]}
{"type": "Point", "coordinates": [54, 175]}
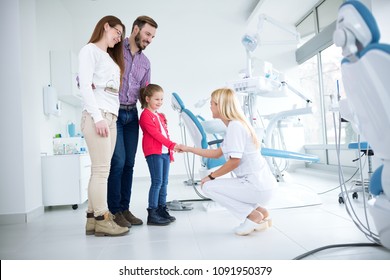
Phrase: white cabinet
{"type": "Point", "coordinates": [65, 179]}
{"type": "Point", "coordinates": [63, 73]}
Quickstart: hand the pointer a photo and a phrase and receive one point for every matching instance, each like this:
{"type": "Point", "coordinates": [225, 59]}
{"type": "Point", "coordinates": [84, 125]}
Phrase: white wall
{"type": "Point", "coordinates": [54, 32]}
{"type": "Point", "coordinates": [12, 179]}
{"type": "Point", "coordinates": [21, 190]}
{"type": "Point", "coordinates": [30, 33]}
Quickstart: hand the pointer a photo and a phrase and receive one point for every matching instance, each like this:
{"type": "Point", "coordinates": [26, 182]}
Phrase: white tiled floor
{"type": "Point", "coordinates": [198, 234]}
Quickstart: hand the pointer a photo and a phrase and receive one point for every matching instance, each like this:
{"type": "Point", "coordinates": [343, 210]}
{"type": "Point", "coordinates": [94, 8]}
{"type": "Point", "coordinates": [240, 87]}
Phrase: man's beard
{"type": "Point", "coordinates": [137, 40]}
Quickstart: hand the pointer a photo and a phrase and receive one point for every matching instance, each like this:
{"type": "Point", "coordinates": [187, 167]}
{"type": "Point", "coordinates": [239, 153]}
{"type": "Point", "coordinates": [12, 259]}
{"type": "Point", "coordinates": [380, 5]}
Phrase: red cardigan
{"type": "Point", "coordinates": [153, 139]}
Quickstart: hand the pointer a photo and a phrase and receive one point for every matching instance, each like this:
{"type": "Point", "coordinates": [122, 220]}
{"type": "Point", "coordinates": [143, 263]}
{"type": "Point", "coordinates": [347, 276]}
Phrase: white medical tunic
{"type": "Point", "coordinates": [254, 182]}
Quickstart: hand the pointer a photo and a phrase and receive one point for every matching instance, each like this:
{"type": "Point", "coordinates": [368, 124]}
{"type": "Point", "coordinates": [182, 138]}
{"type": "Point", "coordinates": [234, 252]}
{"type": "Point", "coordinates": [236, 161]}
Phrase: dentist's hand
{"type": "Point", "coordinates": [204, 180]}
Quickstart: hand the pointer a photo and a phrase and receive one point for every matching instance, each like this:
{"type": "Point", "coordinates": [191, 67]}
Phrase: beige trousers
{"type": "Point", "coordinates": [100, 151]}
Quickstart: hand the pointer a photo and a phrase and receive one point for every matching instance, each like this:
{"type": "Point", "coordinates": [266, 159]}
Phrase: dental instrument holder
{"type": "Point", "coordinates": [359, 185]}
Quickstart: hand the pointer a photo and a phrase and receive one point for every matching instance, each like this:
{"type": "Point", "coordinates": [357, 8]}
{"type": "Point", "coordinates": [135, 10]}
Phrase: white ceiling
{"type": "Point", "coordinates": [232, 10]}
{"type": "Point", "coordinates": [288, 11]}
{"type": "Point", "coordinates": [242, 13]}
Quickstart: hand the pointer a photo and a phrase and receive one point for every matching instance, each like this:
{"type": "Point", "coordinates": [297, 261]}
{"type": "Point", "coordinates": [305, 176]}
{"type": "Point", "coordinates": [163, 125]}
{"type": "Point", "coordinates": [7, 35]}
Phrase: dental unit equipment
{"type": "Point", "coordinates": [365, 68]}
{"type": "Point", "coordinates": [271, 84]}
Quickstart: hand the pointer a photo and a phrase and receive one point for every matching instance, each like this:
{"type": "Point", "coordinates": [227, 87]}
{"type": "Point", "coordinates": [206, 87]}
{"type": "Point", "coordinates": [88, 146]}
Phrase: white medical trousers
{"type": "Point", "coordinates": [238, 195]}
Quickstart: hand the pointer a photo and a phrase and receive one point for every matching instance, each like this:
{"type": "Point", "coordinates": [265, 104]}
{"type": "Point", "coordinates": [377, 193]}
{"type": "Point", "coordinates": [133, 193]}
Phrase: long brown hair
{"type": "Point", "coordinates": [116, 53]}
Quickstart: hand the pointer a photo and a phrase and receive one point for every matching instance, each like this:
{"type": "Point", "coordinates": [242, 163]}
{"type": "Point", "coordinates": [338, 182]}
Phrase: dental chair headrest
{"type": "Point", "coordinates": [177, 103]}
{"type": "Point", "coordinates": [356, 28]}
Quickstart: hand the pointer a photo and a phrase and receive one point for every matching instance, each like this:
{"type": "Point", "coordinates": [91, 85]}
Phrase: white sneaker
{"type": "Point", "coordinates": [246, 227]}
{"type": "Point", "coordinates": [249, 226]}
{"type": "Point", "coordinates": [264, 224]}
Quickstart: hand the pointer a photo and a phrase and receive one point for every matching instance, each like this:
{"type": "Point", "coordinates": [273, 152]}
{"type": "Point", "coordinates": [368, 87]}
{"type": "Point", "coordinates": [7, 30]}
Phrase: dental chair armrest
{"type": "Point", "coordinates": [217, 141]}
{"type": "Point", "coordinates": [267, 152]}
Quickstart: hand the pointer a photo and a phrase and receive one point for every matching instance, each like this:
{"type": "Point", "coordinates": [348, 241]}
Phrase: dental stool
{"type": "Point", "coordinates": [358, 185]}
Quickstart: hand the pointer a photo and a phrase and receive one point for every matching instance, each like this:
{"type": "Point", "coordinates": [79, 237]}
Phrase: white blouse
{"type": "Point", "coordinates": [97, 68]}
{"type": "Point", "coordinates": [238, 143]}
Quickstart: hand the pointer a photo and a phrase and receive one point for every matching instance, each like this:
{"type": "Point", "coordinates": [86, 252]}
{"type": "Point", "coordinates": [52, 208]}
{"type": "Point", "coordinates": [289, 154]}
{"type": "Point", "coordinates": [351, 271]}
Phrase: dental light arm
{"type": "Point", "coordinates": [201, 102]}
{"type": "Point", "coordinates": [290, 30]}
{"type": "Point", "coordinates": [294, 90]}
{"type": "Point", "coordinates": [252, 41]}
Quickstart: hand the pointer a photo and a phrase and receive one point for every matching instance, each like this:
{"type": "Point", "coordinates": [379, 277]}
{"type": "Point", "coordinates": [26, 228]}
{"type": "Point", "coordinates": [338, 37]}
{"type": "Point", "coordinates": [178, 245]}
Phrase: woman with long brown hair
{"type": "Point", "coordinates": [100, 71]}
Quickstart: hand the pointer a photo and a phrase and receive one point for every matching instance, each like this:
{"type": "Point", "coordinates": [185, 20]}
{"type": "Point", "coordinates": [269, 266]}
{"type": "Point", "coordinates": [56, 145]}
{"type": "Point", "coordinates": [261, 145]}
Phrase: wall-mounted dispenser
{"type": "Point", "coordinates": [51, 104]}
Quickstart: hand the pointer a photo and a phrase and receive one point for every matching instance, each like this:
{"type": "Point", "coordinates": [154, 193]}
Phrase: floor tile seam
{"type": "Point", "coordinates": [292, 240]}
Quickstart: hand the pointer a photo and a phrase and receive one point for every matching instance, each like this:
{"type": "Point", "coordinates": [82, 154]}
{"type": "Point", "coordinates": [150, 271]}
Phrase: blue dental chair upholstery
{"type": "Point", "coordinates": [365, 73]}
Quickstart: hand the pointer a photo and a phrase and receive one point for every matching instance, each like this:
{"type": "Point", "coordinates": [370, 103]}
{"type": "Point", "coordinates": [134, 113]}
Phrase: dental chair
{"type": "Point", "coordinates": [196, 126]}
{"type": "Point", "coordinates": [200, 138]}
{"type": "Point", "coordinates": [365, 73]}
{"type": "Point", "coordinates": [270, 153]}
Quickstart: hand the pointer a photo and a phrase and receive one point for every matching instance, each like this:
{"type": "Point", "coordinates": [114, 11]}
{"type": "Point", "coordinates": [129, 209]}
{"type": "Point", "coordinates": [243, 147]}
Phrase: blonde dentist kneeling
{"type": "Point", "coordinates": [245, 195]}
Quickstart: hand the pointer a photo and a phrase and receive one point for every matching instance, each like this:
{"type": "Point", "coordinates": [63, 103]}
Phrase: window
{"type": "Point", "coordinates": [308, 77]}
{"type": "Point", "coordinates": [320, 74]}
{"type": "Point", "coordinates": [306, 29]}
{"type": "Point", "coordinates": [332, 87]}
{"type": "Point", "coordinates": [327, 13]}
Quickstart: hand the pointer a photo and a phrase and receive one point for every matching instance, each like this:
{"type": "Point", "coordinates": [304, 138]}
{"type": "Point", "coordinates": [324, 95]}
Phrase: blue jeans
{"type": "Point", "coordinates": [159, 171]}
{"type": "Point", "coordinates": [120, 180]}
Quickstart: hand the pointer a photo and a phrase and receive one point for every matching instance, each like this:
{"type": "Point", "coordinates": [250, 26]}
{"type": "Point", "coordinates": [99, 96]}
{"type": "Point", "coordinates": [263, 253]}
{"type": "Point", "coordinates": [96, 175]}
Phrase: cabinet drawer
{"type": "Point", "coordinates": [65, 179]}
{"type": "Point", "coordinates": [85, 167]}
{"type": "Point", "coordinates": [84, 189]}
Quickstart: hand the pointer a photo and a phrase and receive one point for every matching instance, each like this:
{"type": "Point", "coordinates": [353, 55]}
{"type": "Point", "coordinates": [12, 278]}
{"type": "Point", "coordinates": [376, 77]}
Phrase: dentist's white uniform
{"type": "Point", "coordinates": [254, 182]}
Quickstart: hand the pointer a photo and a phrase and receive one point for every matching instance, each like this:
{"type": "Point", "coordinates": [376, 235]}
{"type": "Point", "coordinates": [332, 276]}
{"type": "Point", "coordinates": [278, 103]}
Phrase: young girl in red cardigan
{"type": "Point", "coordinates": [158, 150]}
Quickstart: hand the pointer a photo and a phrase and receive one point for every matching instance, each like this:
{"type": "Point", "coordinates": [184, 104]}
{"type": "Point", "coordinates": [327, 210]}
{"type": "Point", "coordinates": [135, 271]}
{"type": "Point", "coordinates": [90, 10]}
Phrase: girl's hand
{"type": "Point", "coordinates": [176, 148]}
{"type": "Point", "coordinates": [182, 148]}
{"type": "Point", "coordinates": [102, 128]}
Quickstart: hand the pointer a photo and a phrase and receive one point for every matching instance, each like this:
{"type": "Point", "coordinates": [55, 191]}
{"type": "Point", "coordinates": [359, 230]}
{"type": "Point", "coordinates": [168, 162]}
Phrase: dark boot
{"type": "Point", "coordinates": [155, 219]}
{"type": "Point", "coordinates": [120, 220]}
{"type": "Point", "coordinates": [163, 212]}
{"type": "Point", "coordinates": [131, 218]}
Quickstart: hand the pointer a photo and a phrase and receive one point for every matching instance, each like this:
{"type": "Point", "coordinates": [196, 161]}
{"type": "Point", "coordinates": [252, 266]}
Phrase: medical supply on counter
{"type": "Point", "coordinates": [69, 145]}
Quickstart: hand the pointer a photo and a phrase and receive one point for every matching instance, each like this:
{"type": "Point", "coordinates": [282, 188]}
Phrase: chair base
{"type": "Point", "coordinates": [355, 189]}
